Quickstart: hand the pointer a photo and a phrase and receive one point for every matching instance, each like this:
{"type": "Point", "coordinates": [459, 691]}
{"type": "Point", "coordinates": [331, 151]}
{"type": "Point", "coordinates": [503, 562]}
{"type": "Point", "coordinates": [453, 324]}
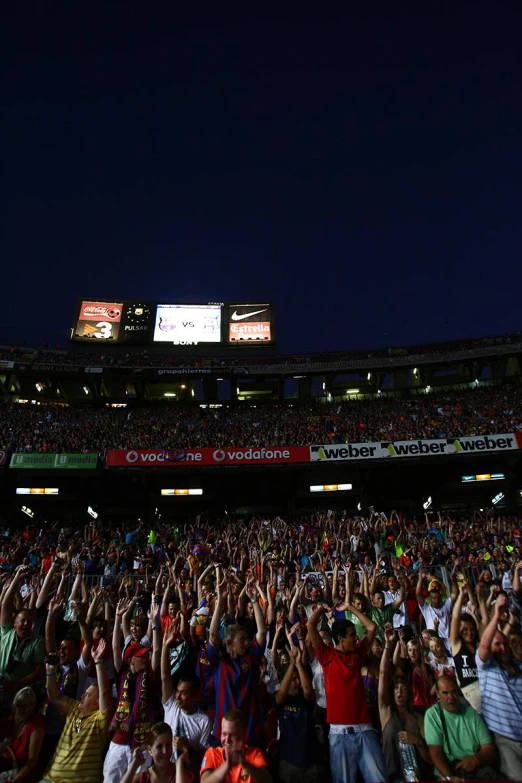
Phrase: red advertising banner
{"type": "Point", "coordinates": [150, 458]}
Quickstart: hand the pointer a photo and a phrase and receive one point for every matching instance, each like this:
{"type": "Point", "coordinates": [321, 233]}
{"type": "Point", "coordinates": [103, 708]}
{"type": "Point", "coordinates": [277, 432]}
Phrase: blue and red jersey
{"type": "Point", "coordinates": [236, 682]}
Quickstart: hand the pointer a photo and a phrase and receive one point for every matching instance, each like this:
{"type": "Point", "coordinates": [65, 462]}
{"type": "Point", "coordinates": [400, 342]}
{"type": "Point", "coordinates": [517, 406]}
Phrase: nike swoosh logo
{"type": "Point", "coordinates": [236, 317]}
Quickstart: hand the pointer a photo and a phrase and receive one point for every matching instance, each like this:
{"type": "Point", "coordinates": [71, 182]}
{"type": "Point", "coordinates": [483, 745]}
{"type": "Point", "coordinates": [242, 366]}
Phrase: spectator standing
{"type": "Point", "coordinates": [500, 678]}
{"type": "Point", "coordinates": [353, 741]}
{"type": "Point", "coordinates": [236, 664]}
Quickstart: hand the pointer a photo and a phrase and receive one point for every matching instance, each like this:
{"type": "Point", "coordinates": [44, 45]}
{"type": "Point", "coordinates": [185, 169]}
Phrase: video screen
{"type": "Point", "coordinates": [99, 320]}
{"type": "Point", "coordinates": [187, 324]}
{"type": "Point", "coordinates": [249, 323]}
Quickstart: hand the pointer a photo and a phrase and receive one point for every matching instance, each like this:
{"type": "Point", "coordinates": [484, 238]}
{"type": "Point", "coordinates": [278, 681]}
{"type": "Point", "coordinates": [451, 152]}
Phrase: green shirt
{"type": "Point", "coordinates": [381, 617]}
{"type": "Point", "coordinates": [466, 730]}
{"type": "Point", "coordinates": [18, 658]}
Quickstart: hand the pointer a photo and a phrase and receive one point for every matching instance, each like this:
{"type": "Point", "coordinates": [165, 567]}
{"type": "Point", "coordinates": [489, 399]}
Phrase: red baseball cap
{"type": "Point", "coordinates": [135, 650]}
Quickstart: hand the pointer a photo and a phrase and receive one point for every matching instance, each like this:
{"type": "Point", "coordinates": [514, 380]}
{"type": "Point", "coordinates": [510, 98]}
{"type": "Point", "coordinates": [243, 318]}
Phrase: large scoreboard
{"type": "Point", "coordinates": [147, 323]}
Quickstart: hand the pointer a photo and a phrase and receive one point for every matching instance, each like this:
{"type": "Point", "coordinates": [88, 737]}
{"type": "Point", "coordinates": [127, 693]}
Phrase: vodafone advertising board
{"type": "Point", "coordinates": [150, 458]}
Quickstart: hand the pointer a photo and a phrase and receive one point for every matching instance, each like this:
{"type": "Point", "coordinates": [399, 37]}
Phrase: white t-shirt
{"type": "Point", "coordinates": [400, 618]}
{"type": "Point", "coordinates": [195, 728]}
{"type": "Point", "coordinates": [318, 683]}
{"type": "Point", "coordinates": [444, 615]}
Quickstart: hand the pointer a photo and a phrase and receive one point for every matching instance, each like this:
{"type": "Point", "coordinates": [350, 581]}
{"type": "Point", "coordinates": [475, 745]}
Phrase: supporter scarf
{"type": "Point", "coordinates": [69, 681]}
{"type": "Point", "coordinates": [134, 711]}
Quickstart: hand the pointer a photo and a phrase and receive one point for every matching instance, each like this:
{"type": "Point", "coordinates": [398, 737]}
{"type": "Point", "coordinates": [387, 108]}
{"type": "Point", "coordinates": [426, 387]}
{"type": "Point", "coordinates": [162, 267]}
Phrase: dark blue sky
{"type": "Point", "coordinates": [362, 169]}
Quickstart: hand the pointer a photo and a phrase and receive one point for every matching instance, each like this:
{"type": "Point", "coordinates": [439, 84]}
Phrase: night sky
{"type": "Point", "coordinates": [360, 168]}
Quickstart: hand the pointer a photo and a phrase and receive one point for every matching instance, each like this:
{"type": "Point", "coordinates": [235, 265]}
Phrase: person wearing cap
{"type": "Point", "coordinates": [436, 612]}
{"type": "Point", "coordinates": [134, 712]}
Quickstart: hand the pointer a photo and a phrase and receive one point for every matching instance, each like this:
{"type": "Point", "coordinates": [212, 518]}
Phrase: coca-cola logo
{"type": "Point", "coordinates": [101, 311]}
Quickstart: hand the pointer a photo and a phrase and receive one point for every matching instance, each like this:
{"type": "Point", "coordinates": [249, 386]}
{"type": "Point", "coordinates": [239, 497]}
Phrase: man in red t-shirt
{"type": "Point", "coordinates": [353, 741]}
{"type": "Point", "coordinates": [234, 762]}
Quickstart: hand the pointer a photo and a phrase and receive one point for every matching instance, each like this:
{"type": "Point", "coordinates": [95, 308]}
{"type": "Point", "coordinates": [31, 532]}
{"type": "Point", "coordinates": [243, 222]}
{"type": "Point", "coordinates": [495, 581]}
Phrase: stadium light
{"type": "Point", "coordinates": [39, 386]}
{"type": "Point", "coordinates": [86, 390]}
{"type": "Point", "coordinates": [369, 376]}
{"type": "Point", "coordinates": [353, 391]}
{"type": "Point", "coordinates": [169, 394]}
{"type": "Point", "coordinates": [28, 511]}
{"type": "Point", "coordinates": [177, 492]}
{"type": "Point", "coordinates": [497, 498]}
{"type": "Point", "coordinates": [37, 491]}
{"type": "Point", "coordinates": [183, 386]}
{"type": "Point", "coordinates": [330, 487]}
{"type": "Point", "coordinates": [427, 503]}
{"type": "Point", "coordinates": [428, 388]}
{"type": "Point", "coordinates": [92, 512]}
{"type": "Point", "coordinates": [415, 371]}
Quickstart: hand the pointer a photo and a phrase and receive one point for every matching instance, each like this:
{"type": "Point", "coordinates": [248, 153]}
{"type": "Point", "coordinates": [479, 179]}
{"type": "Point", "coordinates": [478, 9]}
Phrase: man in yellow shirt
{"type": "Point", "coordinates": [80, 751]}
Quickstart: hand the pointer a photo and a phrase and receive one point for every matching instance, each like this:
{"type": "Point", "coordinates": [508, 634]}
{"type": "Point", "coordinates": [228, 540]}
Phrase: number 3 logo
{"type": "Point", "coordinates": [105, 330]}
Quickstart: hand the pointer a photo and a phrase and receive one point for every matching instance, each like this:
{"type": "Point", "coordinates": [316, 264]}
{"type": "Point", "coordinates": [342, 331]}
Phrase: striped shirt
{"type": "Point", "coordinates": [80, 751]}
{"type": "Point", "coordinates": [236, 686]}
{"type": "Point", "coordinates": [501, 705]}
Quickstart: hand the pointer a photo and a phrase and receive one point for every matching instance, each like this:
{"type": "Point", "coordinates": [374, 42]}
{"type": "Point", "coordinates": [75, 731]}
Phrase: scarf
{"type": "Point", "coordinates": [68, 681]}
{"type": "Point", "coordinates": [134, 711]}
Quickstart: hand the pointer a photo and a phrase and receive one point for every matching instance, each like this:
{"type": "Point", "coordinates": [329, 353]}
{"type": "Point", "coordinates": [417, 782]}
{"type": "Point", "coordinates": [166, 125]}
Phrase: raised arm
{"type": "Point", "coordinates": [104, 686]}
{"type": "Point", "coordinates": [369, 626]}
{"type": "Point", "coordinates": [167, 688]}
{"type": "Point", "coordinates": [385, 707]}
{"type": "Point", "coordinates": [47, 586]}
{"type": "Point", "coordinates": [218, 613]}
{"type": "Point", "coordinates": [313, 634]}
{"type": "Point", "coordinates": [418, 591]}
{"type": "Point", "coordinates": [56, 606]}
{"type": "Point", "coordinates": [486, 642]}
{"type": "Point", "coordinates": [6, 613]}
{"type": "Point", "coordinates": [516, 577]}
{"type": "Point", "coordinates": [252, 589]}
{"type": "Point", "coordinates": [455, 640]}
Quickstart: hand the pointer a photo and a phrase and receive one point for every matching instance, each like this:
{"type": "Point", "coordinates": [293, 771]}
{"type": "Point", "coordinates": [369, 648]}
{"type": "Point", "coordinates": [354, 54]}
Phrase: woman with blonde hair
{"type": "Point", "coordinates": [24, 733]}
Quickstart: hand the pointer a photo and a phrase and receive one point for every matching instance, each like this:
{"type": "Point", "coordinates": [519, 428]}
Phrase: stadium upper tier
{"type": "Point", "coordinates": [112, 356]}
{"type": "Point", "coordinates": [54, 428]}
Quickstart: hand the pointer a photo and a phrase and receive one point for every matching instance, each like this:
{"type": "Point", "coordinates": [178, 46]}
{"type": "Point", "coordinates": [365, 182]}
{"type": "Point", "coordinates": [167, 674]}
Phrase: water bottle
{"type": "Point", "coordinates": [408, 761]}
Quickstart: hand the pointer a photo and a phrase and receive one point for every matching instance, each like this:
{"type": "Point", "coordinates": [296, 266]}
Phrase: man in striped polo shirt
{"type": "Point", "coordinates": [79, 754]}
{"type": "Point", "coordinates": [500, 678]}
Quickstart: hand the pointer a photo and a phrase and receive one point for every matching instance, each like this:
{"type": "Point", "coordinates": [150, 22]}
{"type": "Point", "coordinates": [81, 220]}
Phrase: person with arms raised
{"type": "Point", "coordinates": [79, 755]}
{"type": "Point", "coordinates": [354, 744]}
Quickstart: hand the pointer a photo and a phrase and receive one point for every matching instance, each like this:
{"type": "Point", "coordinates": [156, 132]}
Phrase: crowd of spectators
{"type": "Point", "coordinates": [60, 428]}
{"type": "Point", "coordinates": [143, 358]}
{"type": "Point", "coordinates": [312, 648]}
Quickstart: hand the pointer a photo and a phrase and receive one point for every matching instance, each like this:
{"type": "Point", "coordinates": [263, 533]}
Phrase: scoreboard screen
{"type": "Point", "coordinates": [139, 322]}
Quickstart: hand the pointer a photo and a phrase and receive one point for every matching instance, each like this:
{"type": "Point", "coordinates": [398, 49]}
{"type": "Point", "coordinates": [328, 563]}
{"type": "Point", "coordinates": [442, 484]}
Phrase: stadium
{"type": "Point", "coordinates": [169, 409]}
